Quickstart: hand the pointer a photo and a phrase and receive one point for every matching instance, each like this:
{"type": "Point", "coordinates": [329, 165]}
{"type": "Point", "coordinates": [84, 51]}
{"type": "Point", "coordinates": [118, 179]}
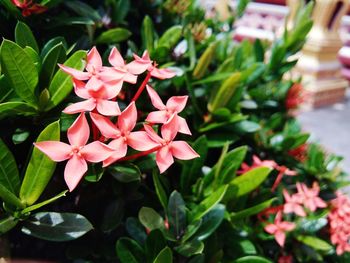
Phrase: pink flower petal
{"type": "Point", "coordinates": [115, 59]}
{"type": "Point", "coordinates": [56, 151]}
{"type": "Point", "coordinates": [287, 226]}
{"type": "Point", "coordinates": [86, 105]}
{"type": "Point", "coordinates": [108, 108]}
{"type": "Point", "coordinates": [170, 128]}
{"type": "Point", "coordinates": [137, 67]}
{"type": "Point", "coordinates": [271, 229]}
{"type": "Point", "coordinates": [130, 78]}
{"type": "Point", "coordinates": [155, 99]}
{"type": "Point", "coordinates": [77, 74]}
{"type": "Point", "coordinates": [94, 61]}
{"type": "Point", "coordinates": [280, 238]}
{"type": "Point", "coordinates": [152, 134]}
{"type": "Point", "coordinates": [140, 141]}
{"type": "Point", "coordinates": [162, 73]}
{"type": "Point", "coordinates": [94, 84]}
{"type": "Point", "coordinates": [299, 210]}
{"type": "Point", "coordinates": [181, 150]}
{"type": "Point", "coordinates": [96, 152]}
{"type": "Point", "coordinates": [78, 134]}
{"type": "Point", "coordinates": [113, 89]}
{"type": "Point", "coordinates": [164, 159]}
{"type": "Point", "coordinates": [177, 103]}
{"type": "Point", "coordinates": [80, 90]}
{"type": "Point", "coordinates": [157, 117]}
{"type": "Point", "coordinates": [111, 74]}
{"type": "Point", "coordinates": [75, 169]}
{"type": "Point", "coordinates": [183, 127]}
{"type": "Point", "coordinates": [127, 119]}
{"type": "Point", "coordinates": [120, 148]}
{"type": "Point", "coordinates": [106, 127]}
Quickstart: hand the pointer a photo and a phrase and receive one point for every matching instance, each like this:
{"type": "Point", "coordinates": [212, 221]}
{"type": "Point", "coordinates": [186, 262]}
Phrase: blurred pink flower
{"type": "Point", "coordinates": [293, 204]}
{"type": "Point", "coordinates": [279, 229]}
{"type": "Point", "coordinates": [174, 105]}
{"type": "Point", "coordinates": [77, 152]}
{"type": "Point", "coordinates": [285, 259]}
{"type": "Point", "coordinates": [310, 197]}
{"type": "Point", "coordinates": [257, 163]}
{"type": "Point", "coordinates": [169, 148]}
{"type": "Point", "coordinates": [29, 8]}
{"type": "Point", "coordinates": [122, 134]}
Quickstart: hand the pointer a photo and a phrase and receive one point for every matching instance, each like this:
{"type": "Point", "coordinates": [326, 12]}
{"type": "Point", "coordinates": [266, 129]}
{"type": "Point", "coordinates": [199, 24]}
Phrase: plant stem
{"type": "Point", "coordinates": [140, 154]}
{"type": "Point", "coordinates": [142, 87]}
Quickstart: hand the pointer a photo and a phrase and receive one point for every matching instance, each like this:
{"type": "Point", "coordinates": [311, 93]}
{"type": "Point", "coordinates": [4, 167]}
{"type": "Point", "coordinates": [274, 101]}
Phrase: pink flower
{"type": "Point", "coordinates": [339, 223]}
{"type": "Point", "coordinates": [29, 8]}
{"type": "Point", "coordinates": [122, 134]}
{"type": "Point", "coordinates": [310, 197]}
{"type": "Point", "coordinates": [279, 229]}
{"type": "Point", "coordinates": [77, 152]}
{"type": "Point", "coordinates": [173, 106]}
{"type": "Point", "coordinates": [151, 67]}
{"type": "Point", "coordinates": [282, 170]}
{"type": "Point", "coordinates": [292, 204]}
{"type": "Point", "coordinates": [95, 99]}
{"type": "Point", "coordinates": [169, 148]}
{"type": "Point", "coordinates": [257, 163]}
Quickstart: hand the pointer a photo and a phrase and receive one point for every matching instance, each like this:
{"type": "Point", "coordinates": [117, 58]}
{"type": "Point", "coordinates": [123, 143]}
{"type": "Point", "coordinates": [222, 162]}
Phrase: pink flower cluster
{"type": "Point", "coordinates": [305, 198]}
{"type": "Point", "coordinates": [339, 223]}
{"type": "Point", "coordinates": [99, 86]}
{"type": "Point", "coordinates": [282, 170]}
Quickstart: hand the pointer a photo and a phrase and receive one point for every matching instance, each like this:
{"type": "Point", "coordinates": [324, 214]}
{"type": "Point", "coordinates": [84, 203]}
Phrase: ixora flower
{"type": "Point", "coordinates": [257, 163]}
{"type": "Point", "coordinates": [169, 148]}
{"type": "Point", "coordinates": [309, 196]}
{"type": "Point", "coordinates": [173, 106]}
{"type": "Point", "coordinates": [122, 134]}
{"type": "Point", "coordinates": [339, 223]}
{"type": "Point", "coordinates": [279, 229]}
{"type": "Point", "coordinates": [293, 204]}
{"type": "Point", "coordinates": [78, 153]}
{"type": "Point", "coordinates": [28, 7]}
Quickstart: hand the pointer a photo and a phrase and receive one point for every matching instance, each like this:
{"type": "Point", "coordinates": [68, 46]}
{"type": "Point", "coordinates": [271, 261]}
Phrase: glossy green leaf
{"type": "Point", "coordinates": [164, 256]}
{"type": "Point", "coordinates": [46, 202]}
{"type": "Point", "coordinates": [150, 219]}
{"type": "Point", "coordinates": [252, 259]}
{"type": "Point", "coordinates": [61, 84]}
{"type": "Point", "coordinates": [125, 173]}
{"type": "Point", "coordinates": [136, 230]}
{"type": "Point", "coordinates": [113, 215]}
{"type": "Point", "coordinates": [54, 56]}
{"type": "Point", "coordinates": [154, 244]}
{"type": "Point", "coordinates": [147, 33]}
{"type": "Point", "coordinates": [213, 78]}
{"type": "Point", "coordinates": [190, 248]}
{"type": "Point", "coordinates": [16, 108]}
{"type": "Point", "coordinates": [20, 136]}
{"type": "Point", "coordinates": [9, 176]}
{"type": "Point", "coordinates": [19, 70]}
{"type": "Point", "coordinates": [58, 227]}
{"type": "Point", "coordinates": [177, 214]}
{"type": "Point", "coordinates": [51, 44]}
{"type": "Point", "coordinates": [204, 62]}
{"type": "Point", "coordinates": [129, 251]}
{"type": "Point", "coordinates": [197, 259]}
{"type": "Point", "coordinates": [247, 127]}
{"type": "Point", "coordinates": [210, 222]}
{"type": "Point", "coordinates": [24, 36]}
{"type": "Point", "coordinates": [113, 36]}
{"type": "Point", "coordinates": [40, 167]}
{"type": "Point", "coordinates": [247, 182]}
{"type": "Point", "coordinates": [7, 224]}
{"type": "Point", "coordinates": [162, 196]}
{"type": "Point", "coordinates": [84, 10]}
{"type": "Point", "coordinates": [9, 197]}
{"type": "Point", "coordinates": [6, 91]}
{"type": "Point", "coordinates": [316, 243]}
{"type": "Point", "coordinates": [34, 56]}
{"type": "Point", "coordinates": [170, 37]}
{"type": "Point", "coordinates": [208, 203]}
{"type": "Point", "coordinates": [251, 210]}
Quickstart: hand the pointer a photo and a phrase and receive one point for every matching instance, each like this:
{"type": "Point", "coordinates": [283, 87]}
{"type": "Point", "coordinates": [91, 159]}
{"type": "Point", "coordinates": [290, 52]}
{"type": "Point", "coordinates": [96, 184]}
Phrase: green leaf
{"type": "Point", "coordinates": [177, 214]}
{"type": "Point", "coordinates": [6, 91]}
{"type": "Point", "coordinates": [204, 62]}
{"type": "Point", "coordinates": [129, 251]}
{"type": "Point", "coordinates": [190, 248]}
{"type": "Point", "coordinates": [7, 224]}
{"type": "Point", "coordinates": [247, 182]}
{"type": "Point", "coordinates": [16, 108]}
{"type": "Point", "coordinates": [191, 170]}
{"type": "Point", "coordinates": [164, 256]}
{"type": "Point", "coordinates": [20, 136]}
{"type": "Point", "coordinates": [147, 34]}
{"type": "Point", "coordinates": [113, 36]}
{"type": "Point", "coordinates": [19, 70]}
{"type": "Point", "coordinates": [197, 259]}
{"type": "Point", "coordinates": [162, 196]}
{"type": "Point", "coordinates": [208, 203]}
{"type": "Point", "coordinates": [51, 44]}
{"type": "Point", "coordinates": [9, 197]}
{"type": "Point", "coordinates": [136, 230]}
{"type": "Point", "coordinates": [58, 227]}
{"type": "Point", "coordinates": [61, 84]}
{"type": "Point", "coordinates": [252, 210]}
{"type": "Point", "coordinates": [9, 176]}
{"type": "Point", "coordinates": [46, 202]}
{"type": "Point", "coordinates": [247, 127]}
{"type": "Point", "coordinates": [154, 244]}
{"type": "Point", "coordinates": [210, 222]}
{"type": "Point", "coordinates": [113, 215]}
{"type": "Point", "coordinates": [54, 56]}
{"type": "Point", "coordinates": [252, 259]}
{"type": "Point", "coordinates": [40, 168]}
{"type": "Point", "coordinates": [126, 173]}
{"type": "Point", "coordinates": [315, 243]}
{"type": "Point", "coordinates": [170, 37]}
{"type": "Point", "coordinates": [34, 56]}
{"type": "Point", "coordinates": [24, 36]}
{"type": "Point", "coordinates": [84, 10]}
{"type": "Point", "coordinates": [213, 78]}
{"type": "Point", "coordinates": [150, 219]}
